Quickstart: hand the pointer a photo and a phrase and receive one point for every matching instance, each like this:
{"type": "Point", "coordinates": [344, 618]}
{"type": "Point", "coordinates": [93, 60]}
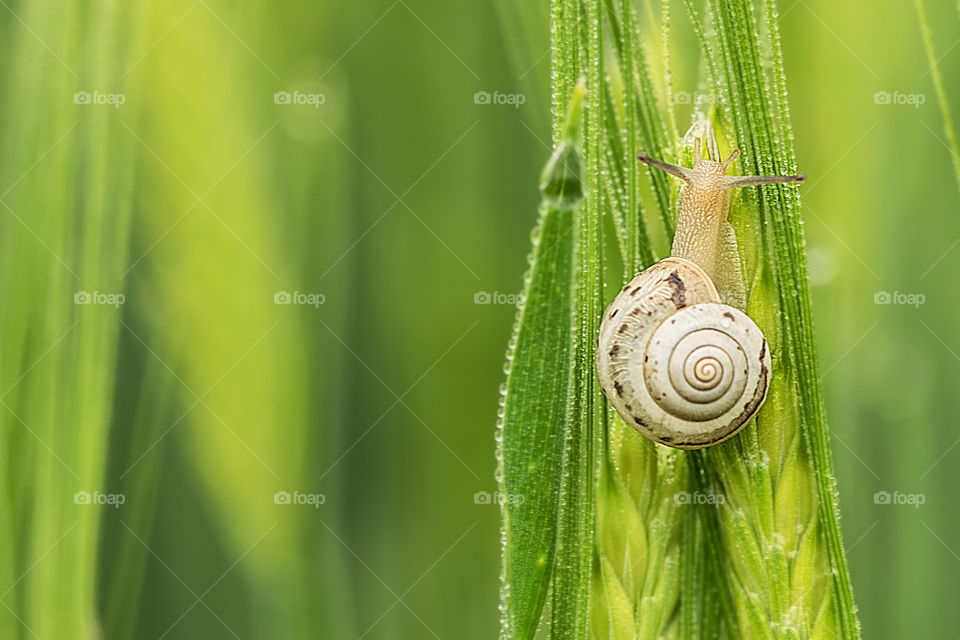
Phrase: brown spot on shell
{"type": "Point", "coordinates": [613, 351]}
{"type": "Point", "coordinates": [729, 315]}
{"type": "Point", "coordinates": [618, 388]}
{"type": "Point", "coordinates": [679, 295]}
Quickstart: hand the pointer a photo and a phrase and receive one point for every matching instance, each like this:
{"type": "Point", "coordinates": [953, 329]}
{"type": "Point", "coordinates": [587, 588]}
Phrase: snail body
{"type": "Point", "coordinates": [677, 357]}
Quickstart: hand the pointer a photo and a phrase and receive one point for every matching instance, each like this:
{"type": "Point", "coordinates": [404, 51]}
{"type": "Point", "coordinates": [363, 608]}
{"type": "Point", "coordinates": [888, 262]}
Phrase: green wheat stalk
{"type": "Point", "coordinates": [64, 231]}
{"type": "Point", "coordinates": [948, 128]}
{"type": "Point", "coordinates": [764, 559]}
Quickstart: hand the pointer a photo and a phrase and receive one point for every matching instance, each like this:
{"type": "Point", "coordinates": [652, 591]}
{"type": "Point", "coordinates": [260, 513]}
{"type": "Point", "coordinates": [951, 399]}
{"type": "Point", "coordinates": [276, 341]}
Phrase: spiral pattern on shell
{"type": "Point", "coordinates": [680, 367]}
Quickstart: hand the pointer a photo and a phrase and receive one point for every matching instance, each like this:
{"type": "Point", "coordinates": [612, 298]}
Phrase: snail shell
{"type": "Point", "coordinates": [679, 366]}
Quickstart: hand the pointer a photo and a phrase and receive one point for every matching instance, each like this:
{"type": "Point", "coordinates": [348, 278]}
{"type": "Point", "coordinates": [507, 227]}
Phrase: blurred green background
{"type": "Point", "coordinates": [318, 223]}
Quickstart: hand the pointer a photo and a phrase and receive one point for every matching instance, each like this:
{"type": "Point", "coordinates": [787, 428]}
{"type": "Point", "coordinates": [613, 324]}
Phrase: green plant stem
{"type": "Point", "coordinates": [948, 129]}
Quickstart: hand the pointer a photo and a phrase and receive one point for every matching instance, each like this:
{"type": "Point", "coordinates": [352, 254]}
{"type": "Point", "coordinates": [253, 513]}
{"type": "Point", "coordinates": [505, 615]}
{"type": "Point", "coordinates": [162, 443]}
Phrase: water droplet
{"type": "Point", "coordinates": [560, 182]}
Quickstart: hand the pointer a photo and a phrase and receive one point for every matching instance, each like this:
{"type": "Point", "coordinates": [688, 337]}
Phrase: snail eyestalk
{"type": "Point", "coordinates": [733, 182]}
{"type": "Point", "coordinates": [681, 172]}
{"type": "Point", "coordinates": [728, 161]}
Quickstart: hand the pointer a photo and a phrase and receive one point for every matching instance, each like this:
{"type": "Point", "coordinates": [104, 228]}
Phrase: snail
{"type": "Point", "coordinates": [677, 356]}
